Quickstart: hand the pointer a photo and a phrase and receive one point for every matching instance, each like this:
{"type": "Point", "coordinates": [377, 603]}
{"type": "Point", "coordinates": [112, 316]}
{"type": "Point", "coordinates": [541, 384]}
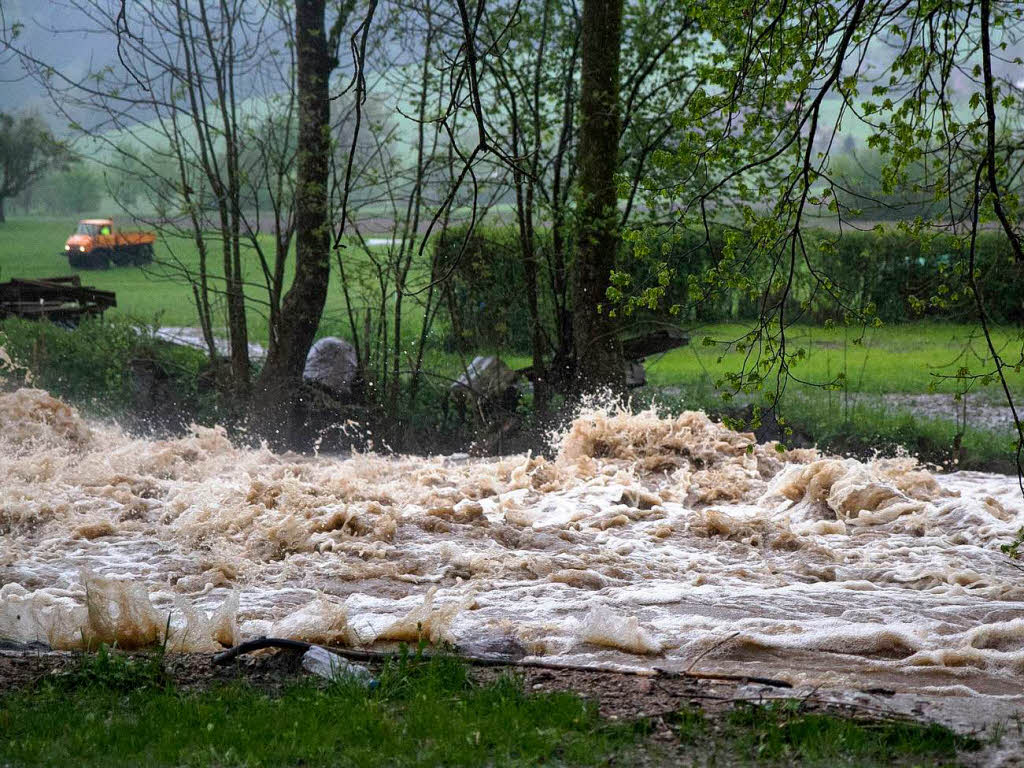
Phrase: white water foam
{"type": "Point", "coordinates": [647, 540]}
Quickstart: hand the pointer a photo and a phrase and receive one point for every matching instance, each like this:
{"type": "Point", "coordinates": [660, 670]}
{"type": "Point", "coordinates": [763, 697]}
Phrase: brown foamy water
{"type": "Point", "coordinates": [647, 541]}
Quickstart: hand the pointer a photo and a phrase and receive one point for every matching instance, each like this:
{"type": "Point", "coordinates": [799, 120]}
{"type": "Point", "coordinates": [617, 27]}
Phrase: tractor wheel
{"type": "Point", "coordinates": [74, 259]}
{"type": "Point", "coordinates": [123, 256]}
{"type": "Point", "coordinates": [99, 258]}
{"type": "Point", "coordinates": [144, 254]}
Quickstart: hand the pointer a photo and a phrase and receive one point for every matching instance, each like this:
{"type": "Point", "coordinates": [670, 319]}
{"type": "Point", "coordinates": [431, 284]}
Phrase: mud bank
{"type": "Point", "coordinates": [645, 542]}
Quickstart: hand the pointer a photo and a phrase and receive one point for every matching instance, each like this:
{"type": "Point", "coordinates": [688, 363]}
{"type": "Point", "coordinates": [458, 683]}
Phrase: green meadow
{"type": "Point", "coordinates": [157, 294]}
{"type": "Point", "coordinates": [911, 358]}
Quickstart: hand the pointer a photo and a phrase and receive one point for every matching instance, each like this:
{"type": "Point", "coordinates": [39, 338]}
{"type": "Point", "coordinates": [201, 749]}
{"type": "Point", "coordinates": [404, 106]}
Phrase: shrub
{"type": "Point", "coordinates": [673, 275]}
{"type": "Point", "coordinates": [96, 366]}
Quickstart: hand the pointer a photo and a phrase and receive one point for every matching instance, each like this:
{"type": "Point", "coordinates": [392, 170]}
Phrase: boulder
{"type": "Point", "coordinates": [486, 378]}
{"type": "Point", "coordinates": [332, 364]}
{"type": "Point", "coordinates": [636, 376]}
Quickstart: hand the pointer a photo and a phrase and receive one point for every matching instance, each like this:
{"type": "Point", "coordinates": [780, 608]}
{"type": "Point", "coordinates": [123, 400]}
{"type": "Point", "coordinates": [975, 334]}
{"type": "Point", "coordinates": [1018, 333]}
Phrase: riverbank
{"type": "Point", "coordinates": [893, 389]}
{"type": "Point", "coordinates": [199, 714]}
{"type": "Point", "coordinates": [116, 370]}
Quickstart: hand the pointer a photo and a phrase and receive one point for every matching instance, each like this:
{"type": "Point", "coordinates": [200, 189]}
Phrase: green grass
{"type": "Point", "coordinates": [897, 358]}
{"type": "Point", "coordinates": [423, 714]}
{"type": "Point", "coordinates": [783, 733]}
{"type": "Point", "coordinates": [33, 248]}
{"type": "Point", "coordinates": [114, 710]}
{"type": "Point", "coordinates": [911, 357]}
{"type": "Point", "coordinates": [158, 293]}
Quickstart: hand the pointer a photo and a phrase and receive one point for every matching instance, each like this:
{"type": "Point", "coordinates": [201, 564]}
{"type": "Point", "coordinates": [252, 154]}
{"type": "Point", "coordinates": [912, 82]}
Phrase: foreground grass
{"type": "Point", "coordinates": [114, 710]}
{"type": "Point", "coordinates": [783, 733]}
{"type": "Point", "coordinates": [422, 714]}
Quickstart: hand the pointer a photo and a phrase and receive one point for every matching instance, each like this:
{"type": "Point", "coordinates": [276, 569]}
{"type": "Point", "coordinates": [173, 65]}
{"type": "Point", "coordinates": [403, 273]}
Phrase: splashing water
{"type": "Point", "coordinates": [646, 541]}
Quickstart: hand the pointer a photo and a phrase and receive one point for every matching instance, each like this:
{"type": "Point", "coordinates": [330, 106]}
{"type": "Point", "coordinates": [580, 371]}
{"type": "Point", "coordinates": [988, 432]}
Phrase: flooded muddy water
{"type": "Point", "coordinates": [646, 542]}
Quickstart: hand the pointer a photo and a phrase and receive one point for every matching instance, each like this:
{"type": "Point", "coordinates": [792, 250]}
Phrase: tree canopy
{"type": "Point", "coordinates": [28, 151]}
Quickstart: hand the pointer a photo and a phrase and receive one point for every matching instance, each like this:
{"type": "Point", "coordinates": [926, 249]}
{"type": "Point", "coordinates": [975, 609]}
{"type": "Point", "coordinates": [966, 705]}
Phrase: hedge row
{"type": "Point", "coordinates": [900, 276]}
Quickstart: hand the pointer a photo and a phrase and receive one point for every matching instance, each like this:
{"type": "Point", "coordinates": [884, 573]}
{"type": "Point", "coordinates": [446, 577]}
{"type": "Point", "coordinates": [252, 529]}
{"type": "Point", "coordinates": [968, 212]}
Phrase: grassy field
{"type": "Point", "coordinates": [156, 294]}
{"type": "Point", "coordinates": [873, 409]}
{"type": "Point", "coordinates": [113, 710]}
{"type": "Point", "coordinates": [33, 248]}
{"type": "Point", "coordinates": [912, 358]}
{"type": "Point", "coordinates": [899, 358]}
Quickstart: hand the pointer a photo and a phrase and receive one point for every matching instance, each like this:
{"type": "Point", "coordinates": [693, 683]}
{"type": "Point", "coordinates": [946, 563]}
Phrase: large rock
{"type": "Point", "coordinates": [332, 363]}
{"type": "Point", "coordinates": [486, 378]}
{"type": "Point", "coordinates": [636, 376]}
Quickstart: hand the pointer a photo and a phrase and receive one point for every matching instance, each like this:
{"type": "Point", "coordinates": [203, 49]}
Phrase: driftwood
{"type": "Point", "coordinates": [60, 299]}
{"type": "Point", "coordinates": [653, 343]}
{"type": "Point", "coordinates": [637, 347]}
{"type": "Point", "coordinates": [228, 656]}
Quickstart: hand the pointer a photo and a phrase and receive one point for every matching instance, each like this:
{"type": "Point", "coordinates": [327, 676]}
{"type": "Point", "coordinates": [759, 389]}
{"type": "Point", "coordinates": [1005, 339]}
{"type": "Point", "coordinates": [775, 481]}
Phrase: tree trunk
{"type": "Point", "coordinates": [3, 217]}
{"type": "Point", "coordinates": [303, 305]}
{"type": "Point", "coordinates": [599, 361]}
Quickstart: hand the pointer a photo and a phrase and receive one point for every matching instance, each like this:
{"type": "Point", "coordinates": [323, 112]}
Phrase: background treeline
{"type": "Point", "coordinates": [78, 191]}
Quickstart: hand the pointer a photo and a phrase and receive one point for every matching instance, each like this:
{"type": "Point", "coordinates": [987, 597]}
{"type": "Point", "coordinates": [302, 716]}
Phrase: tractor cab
{"type": "Point", "coordinates": [84, 238]}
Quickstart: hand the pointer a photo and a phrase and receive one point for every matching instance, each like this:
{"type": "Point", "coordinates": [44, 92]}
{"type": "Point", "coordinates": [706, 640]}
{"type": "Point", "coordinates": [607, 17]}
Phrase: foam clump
{"type": "Point", "coordinates": [857, 493]}
{"type": "Point", "coordinates": [705, 461]}
{"type": "Point", "coordinates": [204, 632]}
{"type": "Point", "coordinates": [48, 616]}
{"type": "Point", "coordinates": [32, 416]}
{"type": "Point", "coordinates": [114, 612]}
{"type": "Point", "coordinates": [655, 443]}
{"type": "Point", "coordinates": [603, 627]}
{"type": "Point", "coordinates": [322, 621]}
{"type": "Point", "coordinates": [426, 621]}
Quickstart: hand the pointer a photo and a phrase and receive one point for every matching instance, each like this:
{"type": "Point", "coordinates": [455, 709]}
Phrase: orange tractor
{"type": "Point", "coordinates": [96, 243]}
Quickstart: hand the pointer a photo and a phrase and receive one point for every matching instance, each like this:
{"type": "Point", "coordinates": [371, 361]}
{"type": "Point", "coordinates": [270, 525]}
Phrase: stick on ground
{"type": "Point", "coordinates": [226, 657]}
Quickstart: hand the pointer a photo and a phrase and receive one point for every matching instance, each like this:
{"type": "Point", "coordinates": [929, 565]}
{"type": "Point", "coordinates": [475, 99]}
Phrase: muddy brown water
{"type": "Point", "coordinates": [647, 542]}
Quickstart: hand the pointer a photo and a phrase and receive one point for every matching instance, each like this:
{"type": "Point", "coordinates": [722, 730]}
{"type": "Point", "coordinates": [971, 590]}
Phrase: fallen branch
{"type": "Point", "coordinates": [671, 675]}
{"type": "Point", "coordinates": [226, 657]}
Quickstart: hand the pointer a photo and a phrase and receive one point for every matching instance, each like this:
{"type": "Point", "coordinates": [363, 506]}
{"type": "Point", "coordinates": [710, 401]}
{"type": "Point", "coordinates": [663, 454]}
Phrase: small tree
{"type": "Point", "coordinates": [28, 150]}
